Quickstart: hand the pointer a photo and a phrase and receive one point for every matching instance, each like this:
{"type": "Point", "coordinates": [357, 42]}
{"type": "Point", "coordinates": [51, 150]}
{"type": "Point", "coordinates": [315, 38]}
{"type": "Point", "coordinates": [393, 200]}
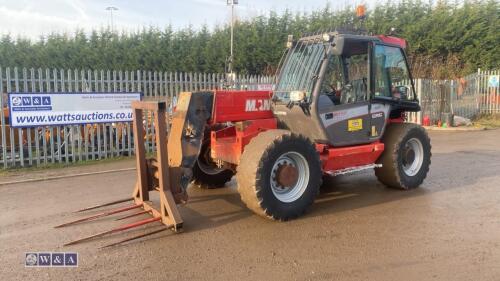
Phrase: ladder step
{"type": "Point", "coordinates": [353, 169]}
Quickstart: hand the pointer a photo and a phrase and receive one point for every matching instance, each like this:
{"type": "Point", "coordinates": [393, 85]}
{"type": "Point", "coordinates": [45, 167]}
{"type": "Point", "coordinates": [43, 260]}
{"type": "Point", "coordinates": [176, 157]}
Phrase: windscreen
{"type": "Point", "coordinates": [299, 71]}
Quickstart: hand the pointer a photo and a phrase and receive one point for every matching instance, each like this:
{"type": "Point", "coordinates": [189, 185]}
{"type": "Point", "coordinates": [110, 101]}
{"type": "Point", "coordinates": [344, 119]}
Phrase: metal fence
{"type": "Point", "coordinates": [66, 144]}
{"type": "Point", "coordinates": [468, 97]}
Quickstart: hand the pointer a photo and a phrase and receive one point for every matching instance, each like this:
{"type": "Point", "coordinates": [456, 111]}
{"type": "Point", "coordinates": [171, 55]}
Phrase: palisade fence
{"type": "Point", "coordinates": [66, 144]}
{"type": "Point", "coordinates": [468, 97]}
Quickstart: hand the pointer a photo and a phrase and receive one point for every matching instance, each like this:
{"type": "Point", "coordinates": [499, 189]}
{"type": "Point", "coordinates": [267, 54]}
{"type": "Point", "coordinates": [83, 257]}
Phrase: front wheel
{"type": "Point", "coordinates": [406, 157]}
{"type": "Point", "coordinates": [279, 174]}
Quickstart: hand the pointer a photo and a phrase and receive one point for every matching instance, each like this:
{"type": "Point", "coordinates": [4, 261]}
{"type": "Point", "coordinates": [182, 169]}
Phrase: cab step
{"type": "Point", "coordinates": [353, 169]}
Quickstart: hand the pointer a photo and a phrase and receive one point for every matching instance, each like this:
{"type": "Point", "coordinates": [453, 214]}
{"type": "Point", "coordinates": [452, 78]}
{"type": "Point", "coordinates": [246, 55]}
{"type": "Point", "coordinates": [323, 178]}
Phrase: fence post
{"type": "Point", "coordinates": [497, 95]}
{"type": "Point", "coordinates": [478, 91]}
{"type": "Point", "coordinates": [19, 130]}
{"type": "Point", "coordinates": [2, 122]}
{"type": "Point", "coordinates": [170, 90]}
{"type": "Point", "coordinates": [419, 97]}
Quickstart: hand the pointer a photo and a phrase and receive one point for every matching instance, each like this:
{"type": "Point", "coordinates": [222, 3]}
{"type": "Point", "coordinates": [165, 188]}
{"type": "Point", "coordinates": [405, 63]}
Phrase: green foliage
{"type": "Point", "coordinates": [445, 40]}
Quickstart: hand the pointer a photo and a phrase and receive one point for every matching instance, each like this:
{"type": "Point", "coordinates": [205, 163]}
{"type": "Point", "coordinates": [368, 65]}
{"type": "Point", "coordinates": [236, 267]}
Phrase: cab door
{"type": "Point", "coordinates": [391, 86]}
{"type": "Point", "coordinates": [343, 103]}
{"type": "Point", "coordinates": [346, 124]}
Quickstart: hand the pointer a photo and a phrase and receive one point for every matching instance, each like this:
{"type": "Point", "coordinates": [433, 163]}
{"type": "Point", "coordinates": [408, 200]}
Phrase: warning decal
{"type": "Point", "coordinates": [355, 125]}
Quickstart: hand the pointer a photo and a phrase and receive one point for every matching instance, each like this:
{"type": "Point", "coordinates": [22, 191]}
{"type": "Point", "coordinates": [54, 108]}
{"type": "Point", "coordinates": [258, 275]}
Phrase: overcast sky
{"type": "Point", "coordinates": [32, 18]}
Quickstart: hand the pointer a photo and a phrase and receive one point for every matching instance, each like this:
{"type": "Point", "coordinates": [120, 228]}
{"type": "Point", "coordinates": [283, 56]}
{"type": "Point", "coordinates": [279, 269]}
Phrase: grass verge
{"type": "Point", "coordinates": [488, 121]}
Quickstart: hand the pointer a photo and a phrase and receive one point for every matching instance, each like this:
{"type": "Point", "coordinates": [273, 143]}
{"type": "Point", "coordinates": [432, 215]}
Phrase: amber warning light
{"type": "Point", "coordinates": [361, 11]}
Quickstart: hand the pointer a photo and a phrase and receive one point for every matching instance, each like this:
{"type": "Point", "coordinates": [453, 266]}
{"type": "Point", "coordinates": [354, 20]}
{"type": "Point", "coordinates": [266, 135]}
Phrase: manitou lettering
{"type": "Point", "coordinates": [257, 105]}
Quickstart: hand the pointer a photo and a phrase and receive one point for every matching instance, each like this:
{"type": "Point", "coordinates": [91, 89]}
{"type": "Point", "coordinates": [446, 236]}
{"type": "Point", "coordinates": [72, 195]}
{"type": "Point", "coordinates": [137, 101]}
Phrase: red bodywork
{"type": "Point", "coordinates": [334, 159]}
{"type": "Point", "coordinates": [234, 106]}
{"type": "Point", "coordinates": [393, 40]}
{"type": "Point", "coordinates": [247, 113]}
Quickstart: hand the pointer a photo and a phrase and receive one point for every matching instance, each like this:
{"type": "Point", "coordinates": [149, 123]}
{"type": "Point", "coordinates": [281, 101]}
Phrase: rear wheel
{"type": "Point", "coordinates": [279, 174]}
{"type": "Point", "coordinates": [406, 157]}
{"type": "Point", "coordinates": [206, 174]}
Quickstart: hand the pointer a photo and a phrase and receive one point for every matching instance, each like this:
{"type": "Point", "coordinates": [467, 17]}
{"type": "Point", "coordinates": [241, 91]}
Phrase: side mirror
{"type": "Point", "coordinates": [402, 89]}
{"type": "Point", "coordinates": [400, 92]}
{"type": "Point", "coordinates": [297, 96]}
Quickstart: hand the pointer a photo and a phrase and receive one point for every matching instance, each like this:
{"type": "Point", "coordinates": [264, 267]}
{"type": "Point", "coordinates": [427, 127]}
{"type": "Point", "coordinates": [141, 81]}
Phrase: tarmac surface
{"type": "Point", "coordinates": [448, 229]}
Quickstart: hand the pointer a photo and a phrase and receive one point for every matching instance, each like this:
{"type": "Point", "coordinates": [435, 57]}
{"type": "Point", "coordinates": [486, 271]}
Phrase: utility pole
{"type": "Point", "coordinates": [231, 57]}
{"type": "Point", "coordinates": [111, 9]}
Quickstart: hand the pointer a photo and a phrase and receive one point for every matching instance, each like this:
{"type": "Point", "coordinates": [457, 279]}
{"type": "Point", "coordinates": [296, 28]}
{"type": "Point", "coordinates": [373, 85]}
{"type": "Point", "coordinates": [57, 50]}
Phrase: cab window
{"type": "Point", "coordinates": [391, 76]}
{"type": "Point", "coordinates": [333, 80]}
{"type": "Point", "coordinates": [346, 78]}
{"type": "Point", "coordinates": [357, 67]}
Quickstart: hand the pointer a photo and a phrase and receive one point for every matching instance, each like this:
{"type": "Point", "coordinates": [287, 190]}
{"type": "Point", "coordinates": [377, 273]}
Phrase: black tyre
{"type": "Point", "coordinates": [406, 157]}
{"type": "Point", "coordinates": [279, 174]}
{"type": "Point", "coordinates": [206, 174]}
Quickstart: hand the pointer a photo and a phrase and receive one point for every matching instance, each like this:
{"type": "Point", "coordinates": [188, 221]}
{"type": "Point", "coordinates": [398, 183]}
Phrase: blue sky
{"type": "Point", "coordinates": [32, 18]}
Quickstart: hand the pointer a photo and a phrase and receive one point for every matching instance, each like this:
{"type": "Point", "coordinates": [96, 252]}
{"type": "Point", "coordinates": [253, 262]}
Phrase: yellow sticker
{"type": "Point", "coordinates": [354, 125]}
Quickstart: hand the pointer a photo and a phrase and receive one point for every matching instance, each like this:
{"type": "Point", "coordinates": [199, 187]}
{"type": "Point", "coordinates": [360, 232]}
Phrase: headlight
{"type": "Point", "coordinates": [297, 96]}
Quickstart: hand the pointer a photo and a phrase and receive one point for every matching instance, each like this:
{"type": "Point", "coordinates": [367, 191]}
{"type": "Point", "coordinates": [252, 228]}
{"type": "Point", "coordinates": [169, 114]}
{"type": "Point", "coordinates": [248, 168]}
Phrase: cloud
{"type": "Point", "coordinates": [78, 7]}
{"type": "Point", "coordinates": [33, 18]}
{"type": "Point", "coordinates": [218, 3]}
{"type": "Point", "coordinates": [31, 23]}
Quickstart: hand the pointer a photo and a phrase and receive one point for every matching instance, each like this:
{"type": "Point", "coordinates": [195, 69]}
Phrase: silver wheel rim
{"type": "Point", "coordinates": [292, 193]}
{"type": "Point", "coordinates": [413, 157]}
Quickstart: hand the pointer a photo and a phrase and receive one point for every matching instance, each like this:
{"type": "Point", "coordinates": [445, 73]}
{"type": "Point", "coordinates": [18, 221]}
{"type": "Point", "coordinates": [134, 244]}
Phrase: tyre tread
{"type": "Point", "coordinates": [390, 174]}
{"type": "Point", "coordinates": [249, 172]}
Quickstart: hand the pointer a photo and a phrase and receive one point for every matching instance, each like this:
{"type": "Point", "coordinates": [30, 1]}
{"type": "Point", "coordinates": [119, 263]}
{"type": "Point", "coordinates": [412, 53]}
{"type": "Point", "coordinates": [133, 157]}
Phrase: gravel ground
{"type": "Point", "coordinates": [449, 229]}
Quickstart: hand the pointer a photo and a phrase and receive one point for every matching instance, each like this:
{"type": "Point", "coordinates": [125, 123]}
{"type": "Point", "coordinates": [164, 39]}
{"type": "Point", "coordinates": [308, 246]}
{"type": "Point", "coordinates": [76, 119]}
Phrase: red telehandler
{"type": "Point", "coordinates": [338, 107]}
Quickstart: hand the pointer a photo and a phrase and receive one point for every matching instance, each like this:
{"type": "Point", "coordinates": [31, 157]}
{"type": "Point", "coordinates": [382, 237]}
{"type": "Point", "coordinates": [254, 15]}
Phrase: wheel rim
{"type": "Point", "coordinates": [289, 177]}
{"type": "Point", "coordinates": [413, 157]}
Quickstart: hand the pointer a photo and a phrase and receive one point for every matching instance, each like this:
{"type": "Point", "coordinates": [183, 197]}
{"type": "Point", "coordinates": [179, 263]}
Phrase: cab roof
{"type": "Point", "coordinates": [350, 43]}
